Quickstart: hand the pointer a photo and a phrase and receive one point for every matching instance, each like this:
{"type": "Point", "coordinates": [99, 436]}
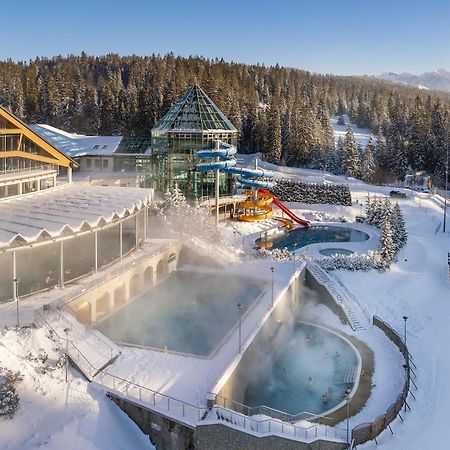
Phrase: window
{"type": "Point", "coordinates": [105, 146]}
{"type": "Point", "coordinates": [97, 163]}
{"type": "Point", "coordinates": [89, 162]}
{"type": "Point", "coordinates": [95, 147]}
{"type": "Point", "coordinates": [105, 163]}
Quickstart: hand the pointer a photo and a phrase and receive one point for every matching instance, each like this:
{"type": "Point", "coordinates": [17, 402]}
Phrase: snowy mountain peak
{"type": "Point", "coordinates": [438, 80]}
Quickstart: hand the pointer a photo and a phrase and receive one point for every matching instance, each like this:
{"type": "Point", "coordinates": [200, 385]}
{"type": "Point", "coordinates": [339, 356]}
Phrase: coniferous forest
{"type": "Point", "coordinates": [284, 113]}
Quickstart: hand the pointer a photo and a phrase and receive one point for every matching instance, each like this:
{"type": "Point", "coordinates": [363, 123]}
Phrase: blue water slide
{"type": "Point", "coordinates": [259, 184]}
{"type": "Point", "coordinates": [216, 165]}
{"type": "Point", "coordinates": [251, 173]}
{"type": "Point", "coordinates": [225, 161]}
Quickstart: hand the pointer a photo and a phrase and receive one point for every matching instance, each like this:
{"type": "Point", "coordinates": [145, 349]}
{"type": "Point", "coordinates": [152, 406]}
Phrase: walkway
{"type": "Point", "coordinates": [357, 317]}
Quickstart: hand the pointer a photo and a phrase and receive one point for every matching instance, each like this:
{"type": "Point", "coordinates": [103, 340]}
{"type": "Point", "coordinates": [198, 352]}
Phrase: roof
{"type": "Point", "coordinates": [75, 145]}
{"type": "Point", "coordinates": [50, 153]}
{"type": "Point", "coordinates": [194, 111]}
{"type": "Point", "coordinates": [66, 210]}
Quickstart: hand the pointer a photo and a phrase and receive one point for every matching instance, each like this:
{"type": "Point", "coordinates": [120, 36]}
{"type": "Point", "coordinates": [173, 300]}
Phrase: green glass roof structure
{"type": "Point", "coordinates": [194, 111]}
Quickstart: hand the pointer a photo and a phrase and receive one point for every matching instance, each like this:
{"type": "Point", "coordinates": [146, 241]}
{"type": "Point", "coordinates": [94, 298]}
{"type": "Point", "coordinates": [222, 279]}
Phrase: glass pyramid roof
{"type": "Point", "coordinates": [194, 111]}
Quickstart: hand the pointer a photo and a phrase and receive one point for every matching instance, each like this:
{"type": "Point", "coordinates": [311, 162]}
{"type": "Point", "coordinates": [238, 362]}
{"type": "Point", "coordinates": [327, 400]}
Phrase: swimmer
{"type": "Point", "coordinates": [337, 354]}
{"type": "Point", "coordinates": [325, 398]}
{"type": "Point", "coordinates": [310, 383]}
{"type": "Point", "coordinates": [330, 389]}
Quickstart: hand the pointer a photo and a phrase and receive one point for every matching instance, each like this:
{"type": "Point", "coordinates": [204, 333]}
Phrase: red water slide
{"type": "Point", "coordinates": [286, 210]}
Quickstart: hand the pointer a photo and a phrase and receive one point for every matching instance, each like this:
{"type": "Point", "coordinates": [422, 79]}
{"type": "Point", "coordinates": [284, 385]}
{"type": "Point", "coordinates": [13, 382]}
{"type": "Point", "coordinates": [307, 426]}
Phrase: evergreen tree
{"type": "Point", "coordinates": [369, 167]}
{"type": "Point", "coordinates": [352, 158]}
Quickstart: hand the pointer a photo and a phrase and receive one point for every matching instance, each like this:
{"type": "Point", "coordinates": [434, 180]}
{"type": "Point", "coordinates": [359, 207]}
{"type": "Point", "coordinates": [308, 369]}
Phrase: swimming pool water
{"type": "Point", "coordinates": [310, 363]}
{"type": "Point", "coordinates": [300, 237]}
{"type": "Point", "coordinates": [188, 312]}
{"type": "Point", "coordinates": [335, 251]}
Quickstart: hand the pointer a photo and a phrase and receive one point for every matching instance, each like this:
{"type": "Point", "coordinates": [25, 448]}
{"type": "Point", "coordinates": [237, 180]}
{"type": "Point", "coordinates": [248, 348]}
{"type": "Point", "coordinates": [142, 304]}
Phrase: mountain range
{"type": "Point", "coordinates": [438, 80]}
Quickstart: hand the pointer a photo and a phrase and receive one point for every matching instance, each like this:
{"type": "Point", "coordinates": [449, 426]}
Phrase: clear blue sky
{"type": "Point", "coordinates": [327, 36]}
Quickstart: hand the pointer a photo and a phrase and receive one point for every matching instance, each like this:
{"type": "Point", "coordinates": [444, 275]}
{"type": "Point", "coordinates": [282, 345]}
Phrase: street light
{"type": "Point", "coordinates": [16, 295]}
{"type": "Point", "coordinates": [67, 331]}
{"type": "Point", "coordinates": [272, 269]}
{"type": "Point", "coordinates": [347, 397]}
{"type": "Point", "coordinates": [405, 366]}
{"type": "Point", "coordinates": [404, 332]}
{"type": "Point", "coordinates": [239, 306]}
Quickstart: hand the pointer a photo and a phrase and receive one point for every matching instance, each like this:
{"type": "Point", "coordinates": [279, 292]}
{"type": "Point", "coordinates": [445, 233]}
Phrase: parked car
{"type": "Point", "coordinates": [397, 194]}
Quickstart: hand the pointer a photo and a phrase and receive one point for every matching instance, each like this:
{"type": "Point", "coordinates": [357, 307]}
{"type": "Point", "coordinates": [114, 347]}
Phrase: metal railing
{"type": "Point", "coordinates": [152, 398]}
{"type": "Point", "coordinates": [275, 426]}
{"type": "Point", "coordinates": [371, 430]}
{"type": "Point", "coordinates": [249, 411]}
{"type": "Point", "coordinates": [73, 351]}
{"type": "Point", "coordinates": [89, 332]}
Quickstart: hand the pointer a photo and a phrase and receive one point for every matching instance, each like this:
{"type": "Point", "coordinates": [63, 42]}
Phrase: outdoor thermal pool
{"type": "Point", "coordinates": [189, 312]}
{"type": "Point", "coordinates": [312, 363]}
{"type": "Point", "coordinates": [300, 237]}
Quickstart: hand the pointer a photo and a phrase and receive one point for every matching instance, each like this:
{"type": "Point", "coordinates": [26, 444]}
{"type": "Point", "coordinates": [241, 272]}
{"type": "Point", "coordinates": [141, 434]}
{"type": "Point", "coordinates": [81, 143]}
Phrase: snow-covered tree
{"type": "Point", "coordinates": [352, 158]}
{"type": "Point", "coordinates": [369, 166]}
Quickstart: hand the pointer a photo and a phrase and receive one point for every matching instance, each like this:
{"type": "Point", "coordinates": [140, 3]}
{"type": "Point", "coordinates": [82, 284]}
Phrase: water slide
{"type": "Point", "coordinates": [257, 205]}
{"type": "Point", "coordinates": [287, 211]}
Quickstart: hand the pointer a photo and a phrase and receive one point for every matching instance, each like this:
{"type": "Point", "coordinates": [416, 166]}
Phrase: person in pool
{"type": "Point", "coordinates": [310, 383]}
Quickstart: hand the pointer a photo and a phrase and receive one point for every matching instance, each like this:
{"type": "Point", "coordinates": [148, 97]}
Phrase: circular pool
{"type": "Point", "coordinates": [335, 251]}
{"type": "Point", "coordinates": [300, 237]}
{"type": "Point", "coordinates": [311, 373]}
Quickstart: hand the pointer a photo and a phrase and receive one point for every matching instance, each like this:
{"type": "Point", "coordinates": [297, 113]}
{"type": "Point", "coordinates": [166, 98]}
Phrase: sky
{"type": "Point", "coordinates": [325, 36]}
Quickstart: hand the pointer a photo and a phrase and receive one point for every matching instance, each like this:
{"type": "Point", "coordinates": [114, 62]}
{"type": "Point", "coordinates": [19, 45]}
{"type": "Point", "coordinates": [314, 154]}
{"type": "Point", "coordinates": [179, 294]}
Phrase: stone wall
{"type": "Point", "coordinates": [163, 432]}
{"type": "Point", "coordinates": [325, 297]}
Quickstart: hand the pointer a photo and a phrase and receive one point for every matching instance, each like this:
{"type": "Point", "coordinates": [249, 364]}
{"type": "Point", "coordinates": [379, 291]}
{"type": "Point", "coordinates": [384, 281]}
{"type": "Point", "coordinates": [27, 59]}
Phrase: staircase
{"type": "Point", "coordinates": [88, 349]}
{"type": "Point", "coordinates": [355, 314]}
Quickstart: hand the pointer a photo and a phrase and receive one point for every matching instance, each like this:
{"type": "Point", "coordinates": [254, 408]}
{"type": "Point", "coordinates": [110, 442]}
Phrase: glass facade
{"type": "Point", "coordinates": [192, 124]}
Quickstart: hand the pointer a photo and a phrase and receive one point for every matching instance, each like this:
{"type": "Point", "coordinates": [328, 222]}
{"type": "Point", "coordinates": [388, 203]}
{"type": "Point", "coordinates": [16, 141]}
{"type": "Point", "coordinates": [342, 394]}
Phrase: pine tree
{"type": "Point", "coordinates": [368, 166]}
{"type": "Point", "coordinates": [352, 158]}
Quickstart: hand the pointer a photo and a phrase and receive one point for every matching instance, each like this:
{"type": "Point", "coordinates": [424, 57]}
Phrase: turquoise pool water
{"type": "Point", "coordinates": [314, 361]}
{"type": "Point", "coordinates": [188, 312]}
{"type": "Point", "coordinates": [300, 237]}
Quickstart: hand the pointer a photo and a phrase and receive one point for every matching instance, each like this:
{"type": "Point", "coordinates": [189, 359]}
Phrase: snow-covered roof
{"type": "Point", "coordinates": [69, 209]}
{"type": "Point", "coordinates": [75, 145]}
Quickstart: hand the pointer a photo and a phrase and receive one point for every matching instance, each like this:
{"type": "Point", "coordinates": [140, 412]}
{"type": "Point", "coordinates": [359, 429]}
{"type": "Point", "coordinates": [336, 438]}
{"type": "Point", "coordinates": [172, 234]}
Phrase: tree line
{"type": "Point", "coordinates": [282, 112]}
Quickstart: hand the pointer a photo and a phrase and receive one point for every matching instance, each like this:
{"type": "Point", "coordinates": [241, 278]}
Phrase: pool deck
{"type": "Point", "coordinates": [189, 378]}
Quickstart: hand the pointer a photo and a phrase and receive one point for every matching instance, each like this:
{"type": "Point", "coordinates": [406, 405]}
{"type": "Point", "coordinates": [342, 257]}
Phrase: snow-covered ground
{"type": "Point", "coordinates": [362, 135]}
{"type": "Point", "coordinates": [56, 415]}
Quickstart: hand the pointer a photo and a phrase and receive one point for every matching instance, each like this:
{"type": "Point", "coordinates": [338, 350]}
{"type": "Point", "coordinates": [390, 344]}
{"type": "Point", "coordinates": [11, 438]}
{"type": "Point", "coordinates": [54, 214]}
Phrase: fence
{"type": "Point", "coordinates": [276, 426]}
{"type": "Point", "coordinates": [371, 430]}
{"type": "Point", "coordinates": [249, 411]}
{"type": "Point", "coordinates": [71, 349]}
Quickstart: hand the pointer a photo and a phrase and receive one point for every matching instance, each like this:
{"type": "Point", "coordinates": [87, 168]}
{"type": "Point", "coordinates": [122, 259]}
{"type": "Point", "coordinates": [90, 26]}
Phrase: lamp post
{"type": "Point", "coordinates": [67, 331]}
{"type": "Point", "coordinates": [404, 331]}
{"type": "Point", "coordinates": [16, 295]}
{"type": "Point", "coordinates": [347, 398]}
{"type": "Point", "coordinates": [405, 391]}
{"type": "Point", "coordinates": [239, 306]}
{"type": "Point", "coordinates": [271, 303]}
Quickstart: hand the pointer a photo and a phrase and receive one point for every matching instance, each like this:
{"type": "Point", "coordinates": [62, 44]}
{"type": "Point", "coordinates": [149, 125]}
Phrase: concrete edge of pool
{"type": "Point", "coordinates": [355, 386]}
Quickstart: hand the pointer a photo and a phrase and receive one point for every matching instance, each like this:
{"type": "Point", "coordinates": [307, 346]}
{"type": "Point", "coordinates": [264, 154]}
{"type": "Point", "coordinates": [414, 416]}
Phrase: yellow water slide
{"type": "Point", "coordinates": [254, 209]}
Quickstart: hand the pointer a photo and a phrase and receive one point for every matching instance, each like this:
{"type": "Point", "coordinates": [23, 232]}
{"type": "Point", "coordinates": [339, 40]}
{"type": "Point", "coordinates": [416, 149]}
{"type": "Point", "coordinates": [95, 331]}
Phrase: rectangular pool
{"type": "Point", "coordinates": [189, 312]}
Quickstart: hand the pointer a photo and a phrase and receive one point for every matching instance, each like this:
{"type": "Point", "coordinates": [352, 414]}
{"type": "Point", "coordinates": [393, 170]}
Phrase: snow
{"type": "Point", "coordinates": [57, 415]}
{"type": "Point", "coordinates": [78, 415]}
{"type": "Point", "coordinates": [362, 135]}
